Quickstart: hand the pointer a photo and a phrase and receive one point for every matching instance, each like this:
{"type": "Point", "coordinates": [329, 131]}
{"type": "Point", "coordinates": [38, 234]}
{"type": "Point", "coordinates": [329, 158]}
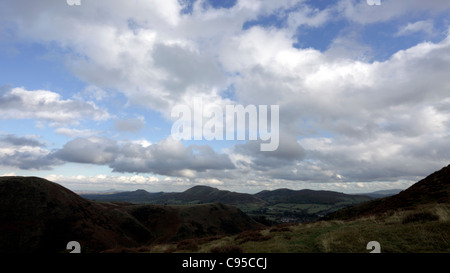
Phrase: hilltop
{"type": "Point", "coordinates": [38, 215]}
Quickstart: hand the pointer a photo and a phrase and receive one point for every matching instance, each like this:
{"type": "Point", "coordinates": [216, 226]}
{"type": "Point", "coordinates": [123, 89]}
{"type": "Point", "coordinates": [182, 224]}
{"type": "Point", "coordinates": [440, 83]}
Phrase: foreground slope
{"type": "Point", "coordinates": [41, 216]}
{"type": "Point", "coordinates": [435, 188]}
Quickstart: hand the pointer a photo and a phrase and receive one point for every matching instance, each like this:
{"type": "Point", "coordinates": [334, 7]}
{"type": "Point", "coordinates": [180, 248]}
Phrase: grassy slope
{"type": "Point", "coordinates": [392, 231]}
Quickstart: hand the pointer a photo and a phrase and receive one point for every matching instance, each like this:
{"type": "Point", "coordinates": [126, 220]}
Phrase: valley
{"type": "Point", "coordinates": [267, 207]}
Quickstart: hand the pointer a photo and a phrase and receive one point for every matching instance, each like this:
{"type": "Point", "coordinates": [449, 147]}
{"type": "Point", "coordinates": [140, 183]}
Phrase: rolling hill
{"type": "Point", "coordinates": [308, 197]}
{"type": "Point", "coordinates": [41, 216]}
{"type": "Point", "coordinates": [195, 195]}
{"type": "Point", "coordinates": [268, 207]}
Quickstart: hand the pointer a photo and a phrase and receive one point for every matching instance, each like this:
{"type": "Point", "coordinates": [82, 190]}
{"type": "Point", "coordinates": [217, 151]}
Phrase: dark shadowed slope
{"type": "Point", "coordinates": [41, 216]}
{"type": "Point", "coordinates": [435, 188]}
{"type": "Point", "coordinates": [174, 223]}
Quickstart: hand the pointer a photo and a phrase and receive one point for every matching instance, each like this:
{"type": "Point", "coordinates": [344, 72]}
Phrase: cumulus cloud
{"type": "Point", "coordinates": [167, 157]}
{"type": "Point", "coordinates": [14, 140]}
{"type": "Point", "coordinates": [289, 150]}
{"type": "Point", "coordinates": [362, 13]}
{"type": "Point", "coordinates": [25, 153]}
{"type": "Point", "coordinates": [19, 103]}
{"type": "Point", "coordinates": [94, 150]}
{"type": "Point", "coordinates": [375, 113]}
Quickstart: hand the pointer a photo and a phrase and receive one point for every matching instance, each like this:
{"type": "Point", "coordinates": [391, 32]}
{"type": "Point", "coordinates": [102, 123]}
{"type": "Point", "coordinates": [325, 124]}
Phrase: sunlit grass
{"type": "Point", "coordinates": [430, 234]}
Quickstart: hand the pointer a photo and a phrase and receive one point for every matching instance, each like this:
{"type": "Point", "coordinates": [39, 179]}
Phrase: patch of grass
{"type": "Point", "coordinates": [426, 232]}
{"type": "Point", "coordinates": [252, 235]}
{"type": "Point", "coordinates": [189, 245]}
{"type": "Point", "coordinates": [281, 228]}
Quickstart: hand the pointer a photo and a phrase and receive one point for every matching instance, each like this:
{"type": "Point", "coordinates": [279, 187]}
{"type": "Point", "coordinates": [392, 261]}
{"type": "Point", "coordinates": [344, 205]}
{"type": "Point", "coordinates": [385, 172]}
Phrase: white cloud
{"type": "Point", "coordinates": [25, 153]}
{"type": "Point", "coordinates": [425, 26]}
{"type": "Point", "coordinates": [167, 157]}
{"type": "Point", "coordinates": [70, 132]}
{"type": "Point", "coordinates": [105, 182]}
{"type": "Point", "coordinates": [362, 13]}
{"type": "Point", "coordinates": [309, 16]}
{"type": "Point", "coordinates": [19, 103]}
{"type": "Point", "coordinates": [8, 174]}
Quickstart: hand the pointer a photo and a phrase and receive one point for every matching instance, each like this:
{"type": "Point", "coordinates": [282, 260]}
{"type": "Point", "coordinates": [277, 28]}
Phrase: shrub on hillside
{"type": "Point", "coordinates": [253, 235]}
{"type": "Point", "coordinates": [226, 249]}
{"type": "Point", "coordinates": [420, 217]}
{"type": "Point", "coordinates": [190, 245]}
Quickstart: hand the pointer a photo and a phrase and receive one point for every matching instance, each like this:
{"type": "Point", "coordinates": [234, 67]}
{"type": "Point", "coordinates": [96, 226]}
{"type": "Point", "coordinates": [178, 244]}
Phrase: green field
{"type": "Point", "coordinates": [292, 212]}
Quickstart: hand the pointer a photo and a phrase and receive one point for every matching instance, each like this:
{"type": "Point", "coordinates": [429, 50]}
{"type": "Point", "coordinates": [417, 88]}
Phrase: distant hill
{"type": "Point", "coordinates": [268, 207]}
{"type": "Point", "coordinates": [194, 195]}
{"type": "Point", "coordinates": [382, 193]}
{"type": "Point", "coordinates": [41, 216]}
{"type": "Point", "coordinates": [308, 197]}
{"type": "Point", "coordinates": [205, 194]}
{"type": "Point", "coordinates": [435, 188]}
{"type": "Point", "coordinates": [136, 197]}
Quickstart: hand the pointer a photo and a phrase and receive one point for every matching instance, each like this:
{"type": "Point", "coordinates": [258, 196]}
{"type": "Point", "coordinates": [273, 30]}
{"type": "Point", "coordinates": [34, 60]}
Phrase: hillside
{"type": "Point", "coordinates": [41, 216]}
{"type": "Point", "coordinates": [435, 188]}
{"type": "Point", "coordinates": [400, 232]}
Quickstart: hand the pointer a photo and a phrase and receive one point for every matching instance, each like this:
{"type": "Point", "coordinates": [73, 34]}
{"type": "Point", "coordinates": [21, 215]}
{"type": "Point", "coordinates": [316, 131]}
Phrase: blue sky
{"type": "Point", "coordinates": [86, 92]}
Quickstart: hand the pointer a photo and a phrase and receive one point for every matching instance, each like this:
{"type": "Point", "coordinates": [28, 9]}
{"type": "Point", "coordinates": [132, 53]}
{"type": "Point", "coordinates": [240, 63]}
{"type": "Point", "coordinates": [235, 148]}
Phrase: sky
{"type": "Point", "coordinates": [87, 92]}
